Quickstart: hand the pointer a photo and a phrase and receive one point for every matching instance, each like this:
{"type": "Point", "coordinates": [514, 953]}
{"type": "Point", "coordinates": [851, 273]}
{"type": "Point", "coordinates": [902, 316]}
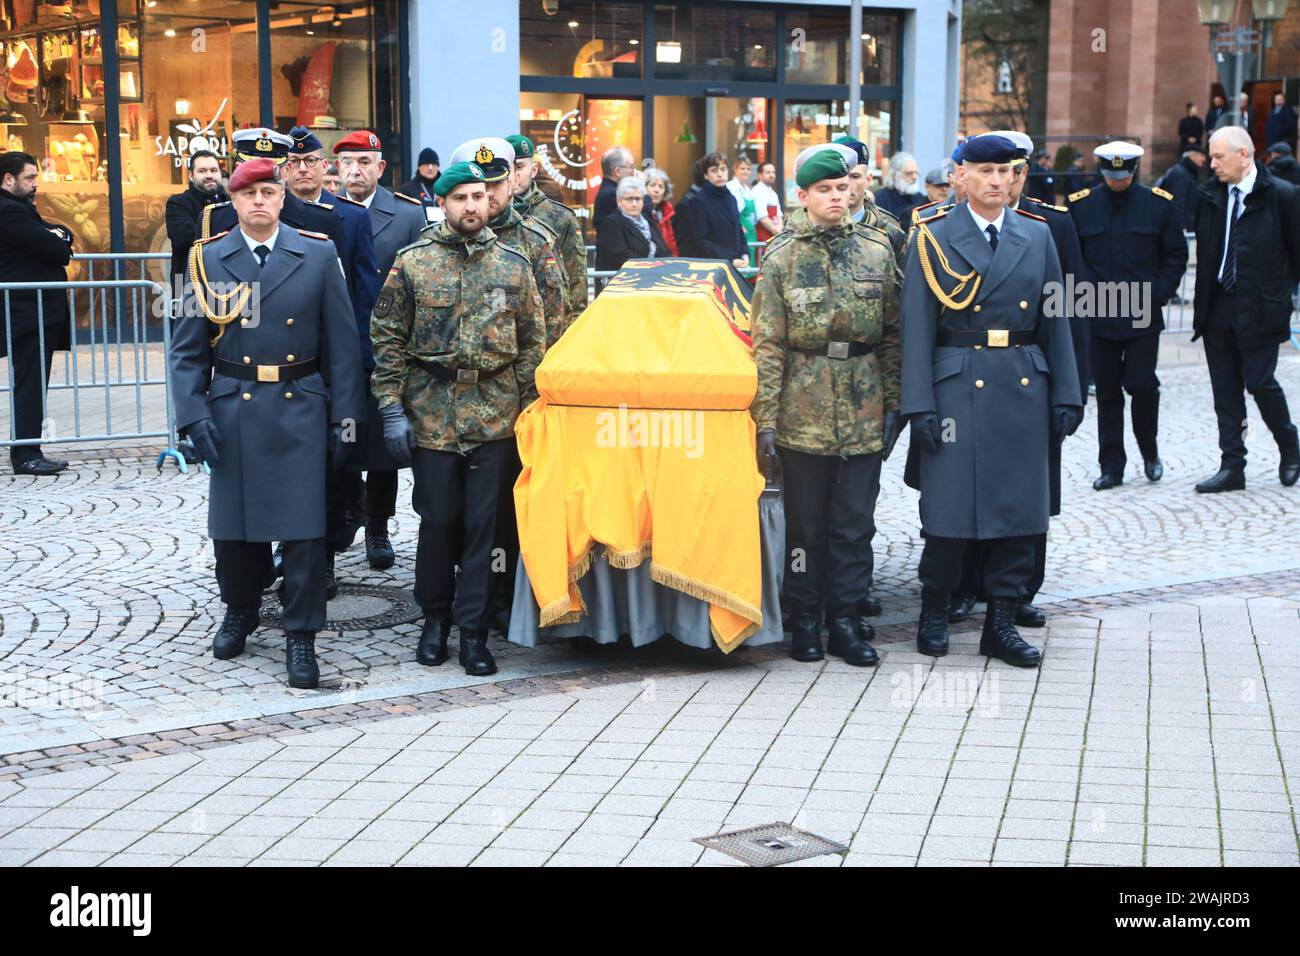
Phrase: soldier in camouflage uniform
{"type": "Point", "coordinates": [826, 345]}
{"type": "Point", "coordinates": [458, 332]}
{"type": "Point", "coordinates": [559, 218]}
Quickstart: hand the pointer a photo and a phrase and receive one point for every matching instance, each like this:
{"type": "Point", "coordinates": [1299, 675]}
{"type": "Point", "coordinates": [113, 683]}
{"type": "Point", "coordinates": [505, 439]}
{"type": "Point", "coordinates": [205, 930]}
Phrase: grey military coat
{"type": "Point", "coordinates": [990, 476]}
{"type": "Point", "coordinates": [396, 224]}
{"type": "Point", "coordinates": [269, 484]}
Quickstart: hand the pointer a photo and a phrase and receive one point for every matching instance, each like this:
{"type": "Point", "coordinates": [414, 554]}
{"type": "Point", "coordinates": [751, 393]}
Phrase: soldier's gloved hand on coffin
{"type": "Point", "coordinates": [766, 451]}
{"type": "Point", "coordinates": [335, 450]}
{"type": "Point", "coordinates": [1066, 420]}
{"type": "Point", "coordinates": [206, 439]}
{"type": "Point", "coordinates": [893, 428]}
{"type": "Point", "coordinates": [399, 437]}
{"type": "Point", "coordinates": [926, 431]}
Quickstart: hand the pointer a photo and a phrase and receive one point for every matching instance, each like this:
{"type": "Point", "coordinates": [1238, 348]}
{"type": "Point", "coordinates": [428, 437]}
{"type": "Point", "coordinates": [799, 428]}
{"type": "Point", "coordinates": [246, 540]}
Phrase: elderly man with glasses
{"type": "Point", "coordinates": [614, 165]}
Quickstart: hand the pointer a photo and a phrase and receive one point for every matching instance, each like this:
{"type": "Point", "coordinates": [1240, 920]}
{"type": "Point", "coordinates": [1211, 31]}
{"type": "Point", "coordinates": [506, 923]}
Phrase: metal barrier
{"type": "Point", "coordinates": [108, 353]}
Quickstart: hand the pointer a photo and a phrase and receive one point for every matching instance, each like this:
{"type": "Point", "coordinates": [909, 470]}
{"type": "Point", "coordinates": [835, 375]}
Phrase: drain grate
{"type": "Point", "coordinates": [771, 844]}
{"type": "Point", "coordinates": [355, 608]}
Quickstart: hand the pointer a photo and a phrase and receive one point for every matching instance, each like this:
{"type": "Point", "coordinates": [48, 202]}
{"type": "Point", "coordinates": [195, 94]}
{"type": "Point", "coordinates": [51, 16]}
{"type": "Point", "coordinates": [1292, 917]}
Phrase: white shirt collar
{"type": "Point", "coordinates": [253, 243]}
{"type": "Point", "coordinates": [371, 198]}
{"type": "Point", "coordinates": [1247, 182]}
{"type": "Point", "coordinates": [982, 224]}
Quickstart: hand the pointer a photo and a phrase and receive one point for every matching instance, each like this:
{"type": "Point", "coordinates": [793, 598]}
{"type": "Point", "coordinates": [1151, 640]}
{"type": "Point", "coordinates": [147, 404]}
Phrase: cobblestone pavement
{"type": "Point", "coordinates": [1160, 730]}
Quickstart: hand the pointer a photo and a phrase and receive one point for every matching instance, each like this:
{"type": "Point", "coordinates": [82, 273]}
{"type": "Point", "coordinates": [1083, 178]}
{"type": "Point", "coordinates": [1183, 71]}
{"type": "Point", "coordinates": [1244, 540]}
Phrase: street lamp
{"type": "Point", "coordinates": [1214, 12]}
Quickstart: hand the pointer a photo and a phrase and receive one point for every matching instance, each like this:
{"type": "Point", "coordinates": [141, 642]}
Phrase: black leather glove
{"type": "Point", "coordinates": [893, 428]}
{"type": "Point", "coordinates": [1066, 420]}
{"type": "Point", "coordinates": [399, 437]}
{"type": "Point", "coordinates": [335, 448]}
{"type": "Point", "coordinates": [766, 451]}
{"type": "Point", "coordinates": [926, 433]}
{"type": "Point", "coordinates": [206, 439]}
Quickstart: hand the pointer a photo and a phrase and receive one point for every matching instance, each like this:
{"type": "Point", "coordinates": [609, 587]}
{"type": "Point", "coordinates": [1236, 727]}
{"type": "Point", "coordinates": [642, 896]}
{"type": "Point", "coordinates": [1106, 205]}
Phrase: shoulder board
{"type": "Point", "coordinates": [423, 241]}
{"type": "Point", "coordinates": [514, 252]}
{"type": "Point", "coordinates": [1045, 205]}
{"type": "Point", "coordinates": [1081, 194]}
{"type": "Point", "coordinates": [556, 202]}
{"type": "Point", "coordinates": [533, 226]}
{"type": "Point", "coordinates": [217, 205]}
{"type": "Point", "coordinates": [937, 214]}
{"type": "Point", "coordinates": [1031, 215]}
{"type": "Point", "coordinates": [314, 235]}
{"type": "Point", "coordinates": [1161, 193]}
{"type": "Point", "coordinates": [411, 199]}
{"type": "Point", "coordinates": [350, 201]}
{"type": "Point", "coordinates": [224, 232]}
{"type": "Point", "coordinates": [916, 210]}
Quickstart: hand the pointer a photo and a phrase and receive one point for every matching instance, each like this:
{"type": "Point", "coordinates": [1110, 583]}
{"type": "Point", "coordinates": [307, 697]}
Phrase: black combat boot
{"type": "Point", "coordinates": [960, 608]}
{"type": "Point", "coordinates": [1029, 616]}
{"type": "Point", "coordinates": [432, 649]}
{"type": "Point", "coordinates": [474, 654]}
{"type": "Point", "coordinates": [806, 638]}
{"type": "Point", "coordinates": [1001, 639]}
{"type": "Point", "coordinates": [932, 629]}
{"type": "Point", "coordinates": [869, 607]}
{"type": "Point", "coordinates": [228, 642]}
{"type": "Point", "coordinates": [379, 550]}
{"type": "Point", "coordinates": [845, 643]}
{"type": "Point", "coordinates": [300, 659]}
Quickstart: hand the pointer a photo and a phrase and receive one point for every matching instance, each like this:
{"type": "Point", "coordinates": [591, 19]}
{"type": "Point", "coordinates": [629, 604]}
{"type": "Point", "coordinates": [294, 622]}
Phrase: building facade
{"type": "Point", "coordinates": [112, 95]}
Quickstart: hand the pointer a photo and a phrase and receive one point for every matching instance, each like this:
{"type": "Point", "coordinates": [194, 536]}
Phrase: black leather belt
{"type": "Point", "coordinates": [989, 338]}
{"type": "Point", "coordinates": [839, 350]}
{"type": "Point", "coordinates": [461, 376]}
{"type": "Point", "coordinates": [267, 373]}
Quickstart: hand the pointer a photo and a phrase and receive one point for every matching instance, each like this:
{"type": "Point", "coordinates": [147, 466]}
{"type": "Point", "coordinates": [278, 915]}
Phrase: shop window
{"type": "Point", "coordinates": [808, 124]}
{"type": "Point", "coordinates": [714, 43]}
{"type": "Point", "coordinates": [816, 47]}
{"type": "Point", "coordinates": [572, 133]}
{"type": "Point", "coordinates": [582, 39]}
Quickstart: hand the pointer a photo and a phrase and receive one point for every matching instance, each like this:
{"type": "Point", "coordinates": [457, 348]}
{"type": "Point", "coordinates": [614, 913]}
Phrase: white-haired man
{"type": "Point", "coordinates": [903, 188]}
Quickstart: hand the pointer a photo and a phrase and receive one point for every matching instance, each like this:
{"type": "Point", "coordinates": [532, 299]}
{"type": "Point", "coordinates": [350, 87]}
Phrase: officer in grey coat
{"type": "Point", "coordinates": [988, 381]}
{"type": "Point", "coordinates": [266, 379]}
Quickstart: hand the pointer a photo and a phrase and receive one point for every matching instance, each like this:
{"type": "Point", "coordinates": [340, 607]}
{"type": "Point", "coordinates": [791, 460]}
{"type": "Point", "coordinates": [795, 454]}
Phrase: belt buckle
{"type": "Point", "coordinates": [999, 338]}
{"type": "Point", "coordinates": [268, 373]}
{"type": "Point", "coordinates": [837, 350]}
{"type": "Point", "coordinates": [466, 376]}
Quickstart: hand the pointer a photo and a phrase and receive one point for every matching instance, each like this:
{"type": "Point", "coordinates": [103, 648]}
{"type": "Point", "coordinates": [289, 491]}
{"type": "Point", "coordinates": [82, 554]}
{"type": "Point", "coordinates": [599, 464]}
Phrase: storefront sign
{"type": "Point", "coordinates": [188, 136]}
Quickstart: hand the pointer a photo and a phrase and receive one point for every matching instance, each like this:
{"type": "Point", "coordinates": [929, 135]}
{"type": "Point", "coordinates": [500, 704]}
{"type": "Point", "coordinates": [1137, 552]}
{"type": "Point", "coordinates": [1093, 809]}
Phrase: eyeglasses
{"type": "Point", "coordinates": [309, 162]}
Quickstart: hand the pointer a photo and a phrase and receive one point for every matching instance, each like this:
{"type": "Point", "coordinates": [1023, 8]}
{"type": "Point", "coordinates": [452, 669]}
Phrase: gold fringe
{"type": "Point", "coordinates": [583, 564]}
{"type": "Point", "coordinates": [558, 612]}
{"type": "Point", "coordinates": [625, 560]}
{"type": "Point", "coordinates": [704, 592]}
{"type": "Point", "coordinates": [728, 646]}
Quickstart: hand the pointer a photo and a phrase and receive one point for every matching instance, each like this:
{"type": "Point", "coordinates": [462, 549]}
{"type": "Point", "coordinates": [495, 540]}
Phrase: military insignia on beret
{"type": "Point", "coordinates": [477, 170]}
{"type": "Point", "coordinates": [374, 141]}
{"type": "Point", "coordinates": [1117, 162]}
{"type": "Point", "coordinates": [484, 155]}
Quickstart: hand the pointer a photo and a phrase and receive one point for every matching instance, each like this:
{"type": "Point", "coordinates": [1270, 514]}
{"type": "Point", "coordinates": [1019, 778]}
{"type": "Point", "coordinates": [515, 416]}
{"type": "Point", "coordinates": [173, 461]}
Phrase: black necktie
{"type": "Point", "coordinates": [261, 252]}
{"type": "Point", "coordinates": [992, 230]}
{"type": "Point", "coordinates": [1229, 281]}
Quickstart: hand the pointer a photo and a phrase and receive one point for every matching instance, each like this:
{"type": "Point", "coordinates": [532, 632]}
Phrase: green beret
{"type": "Point", "coordinates": [824, 164]}
{"type": "Point", "coordinates": [456, 175]}
{"type": "Point", "coordinates": [524, 148]}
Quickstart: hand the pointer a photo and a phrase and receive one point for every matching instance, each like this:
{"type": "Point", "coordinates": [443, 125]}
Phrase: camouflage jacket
{"type": "Point", "coordinates": [469, 304]}
{"type": "Point", "coordinates": [881, 219]}
{"type": "Point", "coordinates": [560, 219]}
{"type": "Point", "coordinates": [534, 242]}
{"type": "Point", "coordinates": [816, 286]}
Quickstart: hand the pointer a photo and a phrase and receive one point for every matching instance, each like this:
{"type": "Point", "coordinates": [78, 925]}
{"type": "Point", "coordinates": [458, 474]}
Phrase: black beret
{"type": "Point", "coordinates": [989, 149]}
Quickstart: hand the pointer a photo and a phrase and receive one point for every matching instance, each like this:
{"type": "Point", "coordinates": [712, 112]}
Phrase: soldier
{"type": "Point", "coordinates": [559, 218]}
{"type": "Point", "coordinates": [395, 222]}
{"type": "Point", "coordinates": [458, 333]}
{"type": "Point", "coordinates": [265, 401]}
{"type": "Point", "coordinates": [306, 176]}
{"type": "Point", "coordinates": [496, 158]}
{"type": "Point", "coordinates": [826, 346]}
{"type": "Point", "coordinates": [868, 214]}
{"type": "Point", "coordinates": [988, 380]}
{"type": "Point", "coordinates": [1131, 235]}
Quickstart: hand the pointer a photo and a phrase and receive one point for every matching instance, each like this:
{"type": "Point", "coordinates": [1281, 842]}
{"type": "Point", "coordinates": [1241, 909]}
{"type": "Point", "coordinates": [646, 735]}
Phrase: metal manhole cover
{"type": "Point", "coordinates": [771, 844]}
{"type": "Point", "coordinates": [355, 608]}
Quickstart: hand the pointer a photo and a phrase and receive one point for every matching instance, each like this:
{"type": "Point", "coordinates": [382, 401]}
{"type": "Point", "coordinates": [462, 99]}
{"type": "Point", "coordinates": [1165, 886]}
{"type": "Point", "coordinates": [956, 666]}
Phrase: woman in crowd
{"type": "Point", "coordinates": [627, 234]}
{"type": "Point", "coordinates": [709, 228]}
{"type": "Point", "coordinates": [659, 195]}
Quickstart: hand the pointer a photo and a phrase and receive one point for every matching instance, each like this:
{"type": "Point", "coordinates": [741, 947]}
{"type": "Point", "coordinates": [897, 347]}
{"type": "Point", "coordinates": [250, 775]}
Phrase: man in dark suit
{"type": "Point", "coordinates": [1281, 163]}
{"type": "Point", "coordinates": [31, 250]}
{"type": "Point", "coordinates": [395, 222]}
{"type": "Point", "coordinates": [1215, 113]}
{"type": "Point", "coordinates": [1281, 125]}
{"type": "Point", "coordinates": [184, 210]}
{"type": "Point", "coordinates": [988, 381]}
{"type": "Point", "coordinates": [266, 401]}
{"type": "Point", "coordinates": [1182, 180]}
{"type": "Point", "coordinates": [614, 165]}
{"type": "Point", "coordinates": [1191, 129]}
{"type": "Point", "coordinates": [1247, 265]}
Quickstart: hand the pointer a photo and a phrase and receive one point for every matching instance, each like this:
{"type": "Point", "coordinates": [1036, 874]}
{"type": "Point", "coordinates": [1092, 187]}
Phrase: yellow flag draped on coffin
{"type": "Point", "coordinates": [641, 446]}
